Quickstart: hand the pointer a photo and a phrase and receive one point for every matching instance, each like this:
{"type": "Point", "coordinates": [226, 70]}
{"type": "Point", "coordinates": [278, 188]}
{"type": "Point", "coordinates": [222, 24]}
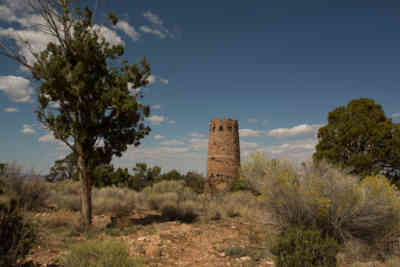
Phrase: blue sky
{"type": "Point", "coordinates": [278, 67]}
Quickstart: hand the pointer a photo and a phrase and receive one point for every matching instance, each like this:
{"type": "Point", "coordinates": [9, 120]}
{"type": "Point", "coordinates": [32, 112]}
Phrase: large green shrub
{"type": "Point", "coordinates": [104, 253]}
{"type": "Point", "coordinates": [17, 234]}
{"type": "Point", "coordinates": [301, 247]}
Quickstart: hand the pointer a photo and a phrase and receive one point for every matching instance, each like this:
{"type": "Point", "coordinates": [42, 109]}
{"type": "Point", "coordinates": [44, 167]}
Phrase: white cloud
{"type": "Point", "coordinates": [296, 151]}
{"type": "Point", "coordinates": [198, 143]}
{"type": "Point", "coordinates": [172, 142]}
{"type": "Point", "coordinates": [396, 115]}
{"type": "Point", "coordinates": [303, 129]}
{"type": "Point", "coordinates": [7, 14]}
{"type": "Point", "coordinates": [168, 158]}
{"type": "Point", "coordinates": [48, 138]}
{"type": "Point", "coordinates": [159, 137]}
{"type": "Point", "coordinates": [128, 30]}
{"type": "Point", "coordinates": [27, 129]}
{"type": "Point", "coordinates": [31, 33]}
{"type": "Point", "coordinates": [252, 120]}
{"type": "Point", "coordinates": [249, 133]}
{"type": "Point", "coordinates": [195, 134]}
{"type": "Point", "coordinates": [153, 18]}
{"type": "Point", "coordinates": [151, 79]}
{"type": "Point", "coordinates": [16, 88]}
{"type": "Point", "coordinates": [164, 81]}
{"type": "Point", "coordinates": [156, 119]}
{"type": "Point", "coordinates": [157, 28]}
{"type": "Point", "coordinates": [171, 121]}
{"type": "Point", "coordinates": [109, 35]}
{"type": "Point", "coordinates": [248, 145]}
{"type": "Point", "coordinates": [10, 110]}
{"type": "Point", "coordinates": [155, 107]}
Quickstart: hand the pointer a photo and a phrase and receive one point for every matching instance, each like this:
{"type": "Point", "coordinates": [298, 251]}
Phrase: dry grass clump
{"type": "Point", "coordinates": [28, 189]}
{"type": "Point", "coordinates": [173, 199]}
{"type": "Point", "coordinates": [61, 219]}
{"type": "Point", "coordinates": [100, 253]}
{"type": "Point", "coordinates": [114, 201]}
{"type": "Point", "coordinates": [65, 195]}
{"type": "Point", "coordinates": [338, 204]}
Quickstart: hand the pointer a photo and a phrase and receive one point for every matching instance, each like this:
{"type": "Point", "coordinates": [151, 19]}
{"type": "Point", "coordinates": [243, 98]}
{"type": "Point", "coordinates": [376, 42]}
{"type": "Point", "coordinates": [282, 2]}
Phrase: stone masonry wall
{"type": "Point", "coordinates": [223, 163]}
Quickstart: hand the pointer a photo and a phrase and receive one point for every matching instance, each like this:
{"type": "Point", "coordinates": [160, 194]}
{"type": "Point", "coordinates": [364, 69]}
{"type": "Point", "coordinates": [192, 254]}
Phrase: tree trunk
{"type": "Point", "coordinates": [86, 190]}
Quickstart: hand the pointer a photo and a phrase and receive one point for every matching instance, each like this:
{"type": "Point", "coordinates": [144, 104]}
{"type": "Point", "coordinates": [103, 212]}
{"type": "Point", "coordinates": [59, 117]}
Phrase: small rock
{"type": "Point", "coordinates": [142, 238]}
{"type": "Point", "coordinates": [245, 258]}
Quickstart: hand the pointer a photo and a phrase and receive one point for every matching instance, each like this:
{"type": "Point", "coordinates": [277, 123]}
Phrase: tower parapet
{"type": "Point", "coordinates": [223, 163]}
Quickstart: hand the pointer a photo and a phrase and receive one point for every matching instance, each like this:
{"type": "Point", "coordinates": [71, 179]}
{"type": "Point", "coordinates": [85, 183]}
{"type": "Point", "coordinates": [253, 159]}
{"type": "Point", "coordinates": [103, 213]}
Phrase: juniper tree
{"type": "Point", "coordinates": [80, 72]}
{"type": "Point", "coordinates": [360, 138]}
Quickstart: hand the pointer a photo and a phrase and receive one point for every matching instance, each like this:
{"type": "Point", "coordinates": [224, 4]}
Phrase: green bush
{"type": "Point", "coordinates": [104, 253]}
{"type": "Point", "coordinates": [301, 247]}
{"type": "Point", "coordinates": [17, 234]}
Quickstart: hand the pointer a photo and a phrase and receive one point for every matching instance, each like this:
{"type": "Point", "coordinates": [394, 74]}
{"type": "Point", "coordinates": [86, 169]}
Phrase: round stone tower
{"type": "Point", "coordinates": [223, 163]}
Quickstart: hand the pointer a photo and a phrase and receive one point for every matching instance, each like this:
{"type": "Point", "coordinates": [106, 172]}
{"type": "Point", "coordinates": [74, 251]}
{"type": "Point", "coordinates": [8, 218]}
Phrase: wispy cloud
{"type": "Point", "coordinates": [249, 133]}
{"type": "Point", "coordinates": [29, 30]}
{"type": "Point", "coordinates": [16, 88]}
{"type": "Point", "coordinates": [27, 129]}
{"type": "Point", "coordinates": [157, 26]}
{"type": "Point", "coordinates": [198, 143]}
{"type": "Point", "coordinates": [163, 81]}
{"type": "Point", "coordinates": [195, 134]}
{"type": "Point", "coordinates": [10, 110]}
{"type": "Point", "coordinates": [303, 129]}
{"type": "Point", "coordinates": [155, 107]}
{"type": "Point", "coordinates": [153, 18]}
{"type": "Point", "coordinates": [172, 142]}
{"type": "Point", "coordinates": [171, 121]}
{"type": "Point", "coordinates": [128, 30]}
{"type": "Point", "coordinates": [395, 115]}
{"type": "Point", "coordinates": [151, 79]}
{"type": "Point", "coordinates": [156, 119]}
{"type": "Point", "coordinates": [252, 120]}
{"type": "Point", "coordinates": [159, 137]}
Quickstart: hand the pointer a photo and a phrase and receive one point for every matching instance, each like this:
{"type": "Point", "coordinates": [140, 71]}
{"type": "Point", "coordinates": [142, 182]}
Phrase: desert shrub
{"type": "Point", "coordinates": [114, 200]}
{"type": "Point", "coordinates": [185, 211]}
{"type": "Point", "coordinates": [65, 195]}
{"type": "Point", "coordinates": [301, 247]}
{"type": "Point", "coordinates": [337, 203]}
{"type": "Point", "coordinates": [240, 203]}
{"type": "Point", "coordinates": [258, 169]}
{"type": "Point", "coordinates": [28, 189]}
{"type": "Point", "coordinates": [62, 218]}
{"type": "Point", "coordinates": [100, 254]}
{"type": "Point", "coordinates": [173, 199]}
{"type": "Point", "coordinates": [17, 234]}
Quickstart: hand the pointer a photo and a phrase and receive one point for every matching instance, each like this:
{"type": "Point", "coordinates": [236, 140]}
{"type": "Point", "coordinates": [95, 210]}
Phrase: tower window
{"type": "Point", "coordinates": [213, 129]}
{"type": "Point", "coordinates": [221, 128]}
{"type": "Point", "coordinates": [230, 128]}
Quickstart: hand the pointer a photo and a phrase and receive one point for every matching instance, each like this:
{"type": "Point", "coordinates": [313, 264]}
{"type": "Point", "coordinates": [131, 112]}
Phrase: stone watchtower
{"type": "Point", "coordinates": [223, 163]}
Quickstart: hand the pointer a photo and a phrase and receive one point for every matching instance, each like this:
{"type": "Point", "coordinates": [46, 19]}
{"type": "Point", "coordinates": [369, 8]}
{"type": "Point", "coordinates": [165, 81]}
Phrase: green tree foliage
{"type": "Point", "coordinates": [81, 73]}
{"type": "Point", "coordinates": [64, 169]}
{"type": "Point", "coordinates": [172, 175]}
{"type": "Point", "coordinates": [3, 167]}
{"type": "Point", "coordinates": [144, 176]}
{"type": "Point", "coordinates": [195, 181]}
{"type": "Point", "coordinates": [360, 138]}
